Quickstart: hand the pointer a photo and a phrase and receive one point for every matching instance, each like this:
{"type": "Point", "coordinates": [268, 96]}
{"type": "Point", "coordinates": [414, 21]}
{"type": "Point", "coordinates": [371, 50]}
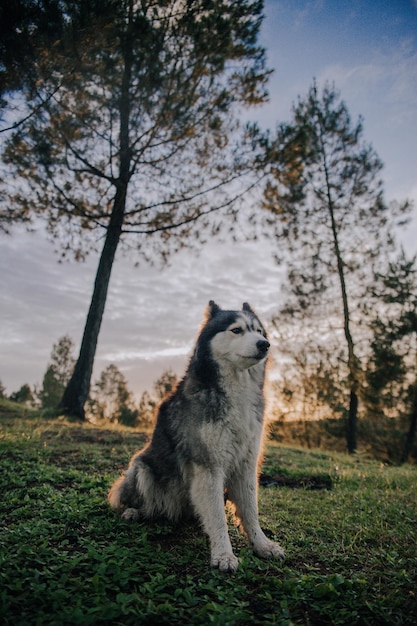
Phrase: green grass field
{"type": "Point", "coordinates": [65, 558]}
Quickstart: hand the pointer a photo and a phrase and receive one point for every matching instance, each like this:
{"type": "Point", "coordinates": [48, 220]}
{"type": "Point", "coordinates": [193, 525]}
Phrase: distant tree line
{"type": "Point", "coordinates": [110, 400]}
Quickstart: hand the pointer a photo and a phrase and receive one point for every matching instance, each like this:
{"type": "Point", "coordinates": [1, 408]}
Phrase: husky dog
{"type": "Point", "coordinates": [207, 439]}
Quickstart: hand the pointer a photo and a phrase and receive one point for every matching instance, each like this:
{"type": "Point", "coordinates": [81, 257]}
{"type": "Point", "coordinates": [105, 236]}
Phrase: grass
{"type": "Point", "coordinates": [65, 558]}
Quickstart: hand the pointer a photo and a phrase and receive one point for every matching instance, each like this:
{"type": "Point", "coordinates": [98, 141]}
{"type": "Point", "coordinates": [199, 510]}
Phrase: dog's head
{"type": "Point", "coordinates": [236, 338]}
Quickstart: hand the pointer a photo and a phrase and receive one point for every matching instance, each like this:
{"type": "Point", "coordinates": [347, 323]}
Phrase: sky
{"type": "Point", "coordinates": [369, 50]}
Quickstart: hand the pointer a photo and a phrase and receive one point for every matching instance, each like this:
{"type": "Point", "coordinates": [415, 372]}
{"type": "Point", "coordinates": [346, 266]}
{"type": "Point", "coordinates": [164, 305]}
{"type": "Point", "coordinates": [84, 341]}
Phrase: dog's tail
{"type": "Point", "coordinates": [115, 496]}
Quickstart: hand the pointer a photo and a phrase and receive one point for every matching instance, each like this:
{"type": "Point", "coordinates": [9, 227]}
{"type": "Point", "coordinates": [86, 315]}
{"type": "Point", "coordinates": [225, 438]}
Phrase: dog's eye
{"type": "Point", "coordinates": [237, 331]}
{"type": "Point", "coordinates": [259, 331]}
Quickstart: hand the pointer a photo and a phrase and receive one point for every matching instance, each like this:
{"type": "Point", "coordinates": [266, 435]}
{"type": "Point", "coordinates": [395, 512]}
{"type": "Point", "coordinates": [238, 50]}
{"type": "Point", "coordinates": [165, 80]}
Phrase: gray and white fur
{"type": "Point", "coordinates": [207, 439]}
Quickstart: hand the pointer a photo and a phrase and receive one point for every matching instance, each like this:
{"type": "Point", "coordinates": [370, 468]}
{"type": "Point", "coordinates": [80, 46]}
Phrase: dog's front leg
{"type": "Point", "coordinates": [207, 496]}
{"type": "Point", "coordinates": [243, 492]}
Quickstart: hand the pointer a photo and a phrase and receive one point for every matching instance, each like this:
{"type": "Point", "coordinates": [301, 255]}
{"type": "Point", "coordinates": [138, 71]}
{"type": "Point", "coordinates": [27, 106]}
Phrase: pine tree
{"type": "Point", "coordinates": [334, 223]}
{"type": "Point", "coordinates": [392, 371]}
{"type": "Point", "coordinates": [150, 401]}
{"type": "Point", "coordinates": [111, 399]}
{"type": "Point", "coordinates": [24, 395]}
{"type": "Point", "coordinates": [133, 132]}
{"type": "Point", "coordinates": [58, 373]}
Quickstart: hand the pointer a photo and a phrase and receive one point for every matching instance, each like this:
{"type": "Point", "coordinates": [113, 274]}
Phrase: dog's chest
{"type": "Point", "coordinates": [235, 438]}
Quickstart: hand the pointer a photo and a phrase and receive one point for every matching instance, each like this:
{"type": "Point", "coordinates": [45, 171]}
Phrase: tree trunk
{"type": "Point", "coordinates": [76, 393]}
{"type": "Point", "coordinates": [409, 438]}
{"type": "Point", "coordinates": [352, 422]}
{"type": "Point", "coordinates": [77, 390]}
{"type": "Point", "coordinates": [351, 427]}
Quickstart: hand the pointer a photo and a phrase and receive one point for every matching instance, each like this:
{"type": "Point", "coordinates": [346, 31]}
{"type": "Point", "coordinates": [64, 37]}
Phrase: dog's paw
{"type": "Point", "coordinates": [226, 562]}
{"type": "Point", "coordinates": [269, 550]}
{"type": "Point", "coordinates": [131, 515]}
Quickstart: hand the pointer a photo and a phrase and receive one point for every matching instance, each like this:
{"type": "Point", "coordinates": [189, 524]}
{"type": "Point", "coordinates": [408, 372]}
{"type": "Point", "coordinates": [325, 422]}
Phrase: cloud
{"type": "Point", "coordinates": [385, 80]}
{"type": "Point", "coordinates": [307, 13]}
{"type": "Point", "coordinates": [151, 318]}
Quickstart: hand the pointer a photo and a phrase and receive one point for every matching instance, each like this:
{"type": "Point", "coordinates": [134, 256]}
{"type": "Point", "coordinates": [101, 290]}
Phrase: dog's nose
{"type": "Point", "coordinates": [263, 345]}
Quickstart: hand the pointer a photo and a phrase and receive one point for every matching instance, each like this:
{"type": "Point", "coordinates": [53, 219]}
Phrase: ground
{"type": "Point", "coordinates": [66, 558]}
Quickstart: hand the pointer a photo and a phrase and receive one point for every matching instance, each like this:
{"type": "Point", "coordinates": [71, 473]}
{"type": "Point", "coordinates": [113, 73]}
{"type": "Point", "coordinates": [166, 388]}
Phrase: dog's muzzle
{"type": "Point", "coordinates": [263, 347]}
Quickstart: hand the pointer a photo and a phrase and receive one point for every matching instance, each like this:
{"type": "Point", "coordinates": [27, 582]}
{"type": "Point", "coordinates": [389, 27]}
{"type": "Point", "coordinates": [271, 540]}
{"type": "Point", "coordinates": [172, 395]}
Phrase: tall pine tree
{"type": "Point", "coordinates": [392, 371]}
{"type": "Point", "coordinates": [133, 133]}
{"type": "Point", "coordinates": [333, 222]}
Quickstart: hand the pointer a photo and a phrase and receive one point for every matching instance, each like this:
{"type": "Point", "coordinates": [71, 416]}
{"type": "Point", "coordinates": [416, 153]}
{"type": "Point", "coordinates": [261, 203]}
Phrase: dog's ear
{"type": "Point", "coordinates": [246, 307]}
{"type": "Point", "coordinates": [212, 310]}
